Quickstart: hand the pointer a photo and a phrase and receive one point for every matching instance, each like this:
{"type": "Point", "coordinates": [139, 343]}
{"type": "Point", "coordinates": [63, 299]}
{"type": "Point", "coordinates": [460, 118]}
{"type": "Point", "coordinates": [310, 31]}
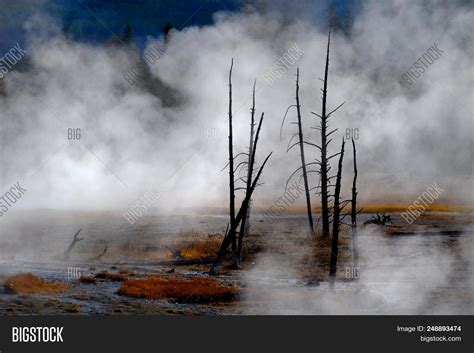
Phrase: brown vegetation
{"type": "Point", "coordinates": [110, 276]}
{"type": "Point", "coordinates": [158, 255]}
{"type": "Point", "coordinates": [127, 272]}
{"type": "Point", "coordinates": [201, 248]}
{"type": "Point", "coordinates": [72, 308]}
{"type": "Point", "coordinates": [28, 283]}
{"type": "Point", "coordinates": [87, 280]}
{"type": "Point", "coordinates": [193, 246]}
{"type": "Point", "coordinates": [196, 289]}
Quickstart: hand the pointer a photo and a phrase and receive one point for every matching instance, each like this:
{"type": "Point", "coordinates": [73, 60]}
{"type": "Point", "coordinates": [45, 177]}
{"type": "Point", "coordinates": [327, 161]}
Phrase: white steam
{"type": "Point", "coordinates": [132, 140]}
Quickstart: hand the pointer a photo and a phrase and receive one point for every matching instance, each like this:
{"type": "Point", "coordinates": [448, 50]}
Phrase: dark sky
{"type": "Point", "coordinates": [99, 20]}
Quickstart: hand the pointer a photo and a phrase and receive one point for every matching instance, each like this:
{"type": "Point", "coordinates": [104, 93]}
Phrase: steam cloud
{"type": "Point", "coordinates": [132, 139]}
{"type": "Point", "coordinates": [398, 275]}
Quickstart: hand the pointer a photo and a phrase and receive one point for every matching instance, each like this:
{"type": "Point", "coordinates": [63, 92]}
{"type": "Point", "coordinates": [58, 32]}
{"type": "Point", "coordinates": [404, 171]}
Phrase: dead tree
{"type": "Point", "coordinates": [232, 232]}
{"type": "Point", "coordinates": [300, 142]}
{"type": "Point", "coordinates": [249, 162]}
{"type": "Point", "coordinates": [238, 218]}
{"type": "Point", "coordinates": [245, 224]}
{"type": "Point", "coordinates": [67, 253]}
{"type": "Point", "coordinates": [355, 251]}
{"type": "Point", "coordinates": [303, 160]}
{"type": "Point", "coordinates": [324, 168]}
{"type": "Point", "coordinates": [231, 162]}
{"type": "Point", "coordinates": [324, 162]}
{"type": "Point", "coordinates": [336, 220]}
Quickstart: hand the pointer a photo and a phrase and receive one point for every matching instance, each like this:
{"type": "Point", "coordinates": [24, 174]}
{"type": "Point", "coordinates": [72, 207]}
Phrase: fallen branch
{"type": "Point", "coordinates": [98, 257]}
{"type": "Point", "coordinates": [75, 240]}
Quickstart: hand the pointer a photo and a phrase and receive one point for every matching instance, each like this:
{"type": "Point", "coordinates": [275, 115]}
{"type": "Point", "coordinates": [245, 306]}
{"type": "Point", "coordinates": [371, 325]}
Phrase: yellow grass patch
{"type": "Point", "coordinates": [201, 248]}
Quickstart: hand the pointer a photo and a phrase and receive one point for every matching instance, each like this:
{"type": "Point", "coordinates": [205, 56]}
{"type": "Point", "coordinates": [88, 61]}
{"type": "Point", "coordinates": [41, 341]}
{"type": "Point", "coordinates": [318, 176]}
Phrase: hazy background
{"type": "Point", "coordinates": [170, 129]}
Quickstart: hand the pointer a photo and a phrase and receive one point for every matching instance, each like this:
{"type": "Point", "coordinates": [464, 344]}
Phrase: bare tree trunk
{"type": "Point", "coordinates": [67, 253]}
{"type": "Point", "coordinates": [336, 220]}
{"type": "Point", "coordinates": [244, 226]}
{"type": "Point", "coordinates": [247, 191]}
{"type": "Point", "coordinates": [324, 143]}
{"type": "Point", "coordinates": [231, 162]}
{"type": "Point", "coordinates": [303, 160]}
{"type": "Point", "coordinates": [249, 175]}
{"type": "Point", "coordinates": [243, 208]}
{"type": "Point", "coordinates": [238, 219]}
{"type": "Point", "coordinates": [355, 251]}
{"type": "Point", "coordinates": [324, 162]}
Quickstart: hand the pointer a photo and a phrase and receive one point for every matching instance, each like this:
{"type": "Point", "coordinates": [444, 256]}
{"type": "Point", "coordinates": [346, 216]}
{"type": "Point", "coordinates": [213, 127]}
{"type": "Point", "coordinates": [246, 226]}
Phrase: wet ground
{"type": "Point", "coordinates": [424, 268]}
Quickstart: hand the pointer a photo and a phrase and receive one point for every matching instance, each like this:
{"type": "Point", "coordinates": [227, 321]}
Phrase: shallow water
{"type": "Point", "coordinates": [426, 274]}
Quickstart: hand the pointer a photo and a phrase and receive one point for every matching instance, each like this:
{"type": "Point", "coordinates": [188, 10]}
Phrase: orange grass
{"type": "Point", "coordinates": [28, 283]}
{"type": "Point", "coordinates": [195, 289]}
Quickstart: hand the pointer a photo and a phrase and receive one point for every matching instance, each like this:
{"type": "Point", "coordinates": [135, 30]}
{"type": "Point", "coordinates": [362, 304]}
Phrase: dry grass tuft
{"type": "Point", "coordinates": [201, 248]}
{"type": "Point", "coordinates": [196, 289]}
{"type": "Point", "coordinates": [323, 243]}
{"type": "Point", "coordinates": [72, 308]}
{"type": "Point", "coordinates": [131, 251]}
{"type": "Point", "coordinates": [158, 255]}
{"type": "Point", "coordinates": [110, 276]}
{"type": "Point", "coordinates": [28, 283]}
{"type": "Point", "coordinates": [127, 272]}
{"type": "Point", "coordinates": [87, 280]}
